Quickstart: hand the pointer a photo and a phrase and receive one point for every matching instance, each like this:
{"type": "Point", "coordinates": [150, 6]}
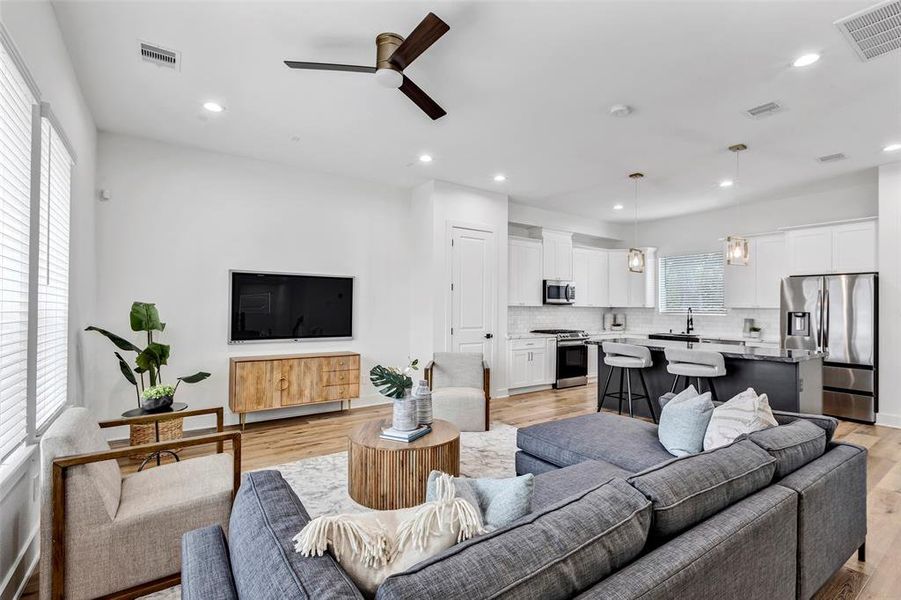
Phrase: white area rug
{"type": "Point", "coordinates": [321, 482]}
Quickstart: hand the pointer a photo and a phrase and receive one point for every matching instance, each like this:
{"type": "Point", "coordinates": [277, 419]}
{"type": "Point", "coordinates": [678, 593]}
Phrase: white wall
{"type": "Point", "coordinates": [436, 206]}
{"type": "Point", "coordinates": [180, 218]}
{"type": "Point", "coordinates": [34, 30]}
{"type": "Point", "coordinates": [532, 216]}
{"type": "Point", "coordinates": [889, 294]}
{"type": "Point", "coordinates": [834, 199]}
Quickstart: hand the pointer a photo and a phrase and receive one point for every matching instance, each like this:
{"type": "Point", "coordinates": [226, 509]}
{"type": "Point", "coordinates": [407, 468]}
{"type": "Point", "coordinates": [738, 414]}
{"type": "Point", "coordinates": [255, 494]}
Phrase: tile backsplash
{"type": "Point", "coordinates": [521, 319]}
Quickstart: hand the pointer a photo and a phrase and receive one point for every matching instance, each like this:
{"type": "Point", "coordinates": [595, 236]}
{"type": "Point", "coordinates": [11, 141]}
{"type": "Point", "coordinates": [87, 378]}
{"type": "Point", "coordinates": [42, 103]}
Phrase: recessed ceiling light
{"type": "Point", "coordinates": [806, 60]}
{"type": "Point", "coordinates": [726, 183]}
{"type": "Point", "coordinates": [213, 107]}
{"type": "Point", "coordinates": [500, 177]}
{"type": "Point", "coordinates": [617, 207]}
{"type": "Point", "coordinates": [425, 158]}
{"type": "Point", "coordinates": [892, 148]}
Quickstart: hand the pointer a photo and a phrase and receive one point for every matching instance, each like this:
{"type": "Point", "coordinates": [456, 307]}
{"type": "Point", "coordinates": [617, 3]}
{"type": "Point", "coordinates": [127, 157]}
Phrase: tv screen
{"type": "Point", "coordinates": [268, 306]}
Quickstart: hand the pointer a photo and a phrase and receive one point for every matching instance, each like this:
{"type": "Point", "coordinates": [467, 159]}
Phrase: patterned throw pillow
{"type": "Point", "coordinates": [743, 414]}
{"type": "Point", "coordinates": [683, 422]}
{"type": "Point", "coordinates": [375, 545]}
{"type": "Point", "coordinates": [500, 501]}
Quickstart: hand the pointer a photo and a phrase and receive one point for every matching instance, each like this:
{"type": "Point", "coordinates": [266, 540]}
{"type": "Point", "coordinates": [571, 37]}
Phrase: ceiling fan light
{"type": "Point", "coordinates": [738, 251]}
{"type": "Point", "coordinates": [389, 78]}
{"type": "Point", "coordinates": [636, 260]}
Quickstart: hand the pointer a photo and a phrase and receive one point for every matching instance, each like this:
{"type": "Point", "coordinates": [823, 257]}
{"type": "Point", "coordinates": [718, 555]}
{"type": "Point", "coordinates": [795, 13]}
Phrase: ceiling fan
{"type": "Point", "coordinates": [393, 55]}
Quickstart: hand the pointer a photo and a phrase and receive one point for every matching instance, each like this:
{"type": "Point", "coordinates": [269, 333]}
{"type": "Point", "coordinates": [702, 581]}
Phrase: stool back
{"type": "Point", "coordinates": [701, 363]}
{"type": "Point", "coordinates": [613, 349]}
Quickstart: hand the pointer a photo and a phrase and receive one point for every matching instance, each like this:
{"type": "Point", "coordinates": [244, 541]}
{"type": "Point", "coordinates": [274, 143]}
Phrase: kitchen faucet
{"type": "Point", "coordinates": [689, 322]}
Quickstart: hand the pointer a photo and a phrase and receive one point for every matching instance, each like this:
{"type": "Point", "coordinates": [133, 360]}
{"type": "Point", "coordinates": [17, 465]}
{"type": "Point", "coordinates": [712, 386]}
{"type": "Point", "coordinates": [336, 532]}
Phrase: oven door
{"type": "Point", "coordinates": [572, 364]}
{"type": "Point", "coordinates": [559, 292]}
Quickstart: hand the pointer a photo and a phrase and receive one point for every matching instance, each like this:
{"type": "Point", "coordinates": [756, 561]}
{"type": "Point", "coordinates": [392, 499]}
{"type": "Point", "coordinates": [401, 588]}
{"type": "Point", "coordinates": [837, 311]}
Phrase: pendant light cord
{"type": "Point", "coordinates": [635, 233]}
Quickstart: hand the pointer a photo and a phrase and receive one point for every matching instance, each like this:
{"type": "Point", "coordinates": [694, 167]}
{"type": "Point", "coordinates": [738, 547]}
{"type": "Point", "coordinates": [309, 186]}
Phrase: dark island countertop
{"type": "Point", "coordinates": [727, 350]}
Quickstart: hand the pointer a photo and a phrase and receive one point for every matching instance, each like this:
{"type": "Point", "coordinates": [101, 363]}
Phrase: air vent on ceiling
{"type": "Point", "coordinates": [160, 56]}
{"type": "Point", "coordinates": [874, 31]}
{"type": "Point", "coordinates": [832, 157]}
{"type": "Point", "coordinates": [764, 110]}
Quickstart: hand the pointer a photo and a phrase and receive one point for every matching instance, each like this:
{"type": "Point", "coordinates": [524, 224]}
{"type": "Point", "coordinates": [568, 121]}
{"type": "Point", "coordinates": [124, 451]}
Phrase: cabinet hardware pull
{"type": "Point", "coordinates": [283, 388]}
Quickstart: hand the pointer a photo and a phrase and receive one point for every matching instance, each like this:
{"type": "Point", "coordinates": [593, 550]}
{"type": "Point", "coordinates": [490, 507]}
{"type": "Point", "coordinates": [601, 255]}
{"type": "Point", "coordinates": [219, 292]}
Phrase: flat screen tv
{"type": "Point", "coordinates": [276, 306]}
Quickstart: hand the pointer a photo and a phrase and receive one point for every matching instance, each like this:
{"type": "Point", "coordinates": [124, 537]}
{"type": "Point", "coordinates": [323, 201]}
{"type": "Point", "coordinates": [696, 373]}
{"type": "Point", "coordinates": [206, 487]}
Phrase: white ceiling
{"type": "Point", "coordinates": [526, 87]}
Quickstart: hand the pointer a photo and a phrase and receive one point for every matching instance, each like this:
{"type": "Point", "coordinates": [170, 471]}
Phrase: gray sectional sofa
{"type": "Point", "coordinates": [614, 516]}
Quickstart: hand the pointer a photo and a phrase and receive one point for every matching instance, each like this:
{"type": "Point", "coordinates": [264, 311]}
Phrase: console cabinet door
{"type": "Point", "coordinates": [299, 381]}
{"type": "Point", "coordinates": [256, 386]}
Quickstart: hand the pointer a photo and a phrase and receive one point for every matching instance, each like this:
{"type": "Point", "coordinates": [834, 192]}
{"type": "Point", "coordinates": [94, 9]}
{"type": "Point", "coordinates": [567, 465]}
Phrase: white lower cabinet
{"type": "Point", "coordinates": [592, 360]}
{"type": "Point", "coordinates": [531, 362]}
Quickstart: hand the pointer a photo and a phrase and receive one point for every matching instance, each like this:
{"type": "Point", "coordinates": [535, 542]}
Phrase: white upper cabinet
{"type": "Point", "coordinates": [854, 247]}
{"type": "Point", "coordinates": [843, 248]}
{"type": "Point", "coordinates": [618, 278]}
{"type": "Point", "coordinates": [524, 272]}
{"type": "Point", "coordinates": [590, 274]}
{"type": "Point", "coordinates": [557, 255]}
{"type": "Point", "coordinates": [757, 284]}
{"type": "Point", "coordinates": [628, 289]}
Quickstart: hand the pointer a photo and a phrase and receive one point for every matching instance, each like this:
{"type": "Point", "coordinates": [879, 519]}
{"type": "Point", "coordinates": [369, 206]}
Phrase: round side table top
{"type": "Point", "coordinates": [368, 435]}
{"type": "Point", "coordinates": [140, 412]}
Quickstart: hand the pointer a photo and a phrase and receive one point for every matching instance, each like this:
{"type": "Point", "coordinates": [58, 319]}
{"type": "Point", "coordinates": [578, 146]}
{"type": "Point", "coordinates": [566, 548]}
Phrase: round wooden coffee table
{"type": "Point", "coordinates": [386, 475]}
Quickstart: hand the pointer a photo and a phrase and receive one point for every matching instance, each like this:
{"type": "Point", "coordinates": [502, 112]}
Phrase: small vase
{"type": "Point", "coordinates": [423, 396]}
{"type": "Point", "coordinates": [405, 413]}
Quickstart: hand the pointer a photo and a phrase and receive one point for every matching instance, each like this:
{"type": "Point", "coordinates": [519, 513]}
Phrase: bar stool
{"type": "Point", "coordinates": [700, 364]}
{"type": "Point", "coordinates": [626, 358]}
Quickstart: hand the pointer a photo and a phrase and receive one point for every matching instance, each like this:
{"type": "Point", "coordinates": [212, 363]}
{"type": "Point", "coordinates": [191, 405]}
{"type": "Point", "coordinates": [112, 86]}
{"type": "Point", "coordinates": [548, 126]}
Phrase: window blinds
{"type": "Point", "coordinates": [693, 281]}
{"type": "Point", "coordinates": [16, 102]}
{"type": "Point", "coordinates": [53, 276]}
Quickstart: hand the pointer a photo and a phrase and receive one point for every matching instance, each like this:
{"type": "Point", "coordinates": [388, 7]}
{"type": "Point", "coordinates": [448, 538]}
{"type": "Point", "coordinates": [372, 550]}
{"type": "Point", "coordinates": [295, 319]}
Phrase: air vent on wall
{"type": "Point", "coordinates": [160, 56]}
{"type": "Point", "coordinates": [874, 31]}
{"type": "Point", "coordinates": [764, 110]}
{"type": "Point", "coordinates": [831, 157]}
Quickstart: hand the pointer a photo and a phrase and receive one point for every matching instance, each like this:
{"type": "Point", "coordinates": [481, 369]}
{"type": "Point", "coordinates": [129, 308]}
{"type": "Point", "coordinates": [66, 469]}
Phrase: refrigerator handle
{"type": "Point", "coordinates": [819, 320]}
{"type": "Point", "coordinates": [826, 307]}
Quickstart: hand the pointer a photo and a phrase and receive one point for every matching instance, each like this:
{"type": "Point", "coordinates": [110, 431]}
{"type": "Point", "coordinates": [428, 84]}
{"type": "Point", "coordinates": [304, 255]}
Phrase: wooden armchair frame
{"type": "Point", "coordinates": [63, 463]}
{"type": "Point", "coordinates": [486, 386]}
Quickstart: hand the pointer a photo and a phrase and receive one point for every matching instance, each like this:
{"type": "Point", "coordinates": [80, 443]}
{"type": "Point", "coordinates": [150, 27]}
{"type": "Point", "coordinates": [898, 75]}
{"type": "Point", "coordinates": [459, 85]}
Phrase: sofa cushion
{"type": "Point", "coordinates": [205, 570]}
{"type": "Point", "coordinates": [630, 444]}
{"type": "Point", "coordinates": [553, 553]}
{"type": "Point", "coordinates": [557, 485]}
{"type": "Point", "coordinates": [265, 517]}
{"type": "Point", "coordinates": [793, 445]}
{"type": "Point", "coordinates": [683, 423]}
{"type": "Point", "coordinates": [827, 424]}
{"type": "Point", "coordinates": [689, 489]}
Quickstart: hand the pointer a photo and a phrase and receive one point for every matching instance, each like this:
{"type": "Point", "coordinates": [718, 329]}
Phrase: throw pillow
{"type": "Point", "coordinates": [683, 423]}
{"type": "Point", "coordinates": [500, 501]}
{"type": "Point", "coordinates": [743, 414]}
{"type": "Point", "coordinates": [374, 545]}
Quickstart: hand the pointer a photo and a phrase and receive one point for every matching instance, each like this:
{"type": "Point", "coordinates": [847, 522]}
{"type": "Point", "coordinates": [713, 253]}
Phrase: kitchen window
{"type": "Point", "coordinates": [691, 281]}
{"type": "Point", "coordinates": [35, 186]}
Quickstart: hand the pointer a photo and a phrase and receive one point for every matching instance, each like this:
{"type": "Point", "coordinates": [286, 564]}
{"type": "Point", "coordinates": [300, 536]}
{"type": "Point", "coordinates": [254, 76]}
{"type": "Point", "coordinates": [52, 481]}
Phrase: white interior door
{"type": "Point", "coordinates": [473, 281]}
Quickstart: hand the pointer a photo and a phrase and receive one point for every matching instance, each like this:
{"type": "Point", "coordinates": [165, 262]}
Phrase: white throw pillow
{"type": "Point", "coordinates": [745, 413]}
{"type": "Point", "coordinates": [375, 545]}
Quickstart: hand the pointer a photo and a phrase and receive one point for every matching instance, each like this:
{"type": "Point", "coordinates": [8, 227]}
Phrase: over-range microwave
{"type": "Point", "coordinates": [559, 292]}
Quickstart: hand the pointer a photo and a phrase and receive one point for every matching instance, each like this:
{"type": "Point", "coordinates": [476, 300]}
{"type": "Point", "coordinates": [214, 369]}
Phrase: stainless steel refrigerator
{"type": "Point", "coordinates": [837, 315]}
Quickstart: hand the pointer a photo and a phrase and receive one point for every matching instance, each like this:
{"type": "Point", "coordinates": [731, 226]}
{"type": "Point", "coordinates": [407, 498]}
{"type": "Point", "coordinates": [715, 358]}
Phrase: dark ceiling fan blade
{"type": "Point", "coordinates": [421, 99]}
{"type": "Point", "coordinates": [328, 67]}
{"type": "Point", "coordinates": [426, 33]}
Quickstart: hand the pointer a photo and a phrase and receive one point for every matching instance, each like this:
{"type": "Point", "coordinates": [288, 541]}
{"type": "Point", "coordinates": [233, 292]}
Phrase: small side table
{"type": "Point", "coordinates": [385, 475]}
{"type": "Point", "coordinates": [140, 412]}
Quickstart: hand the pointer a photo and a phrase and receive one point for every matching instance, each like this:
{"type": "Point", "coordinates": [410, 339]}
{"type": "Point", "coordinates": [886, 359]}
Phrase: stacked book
{"type": "Point", "coordinates": [394, 435]}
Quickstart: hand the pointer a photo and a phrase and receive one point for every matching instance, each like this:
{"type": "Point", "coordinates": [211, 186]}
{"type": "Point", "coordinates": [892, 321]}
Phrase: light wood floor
{"type": "Point", "coordinates": [286, 440]}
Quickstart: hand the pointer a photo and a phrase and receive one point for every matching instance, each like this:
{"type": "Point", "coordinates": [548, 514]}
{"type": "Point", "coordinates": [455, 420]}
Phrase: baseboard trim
{"type": "Point", "coordinates": [888, 420]}
{"type": "Point", "coordinates": [526, 390]}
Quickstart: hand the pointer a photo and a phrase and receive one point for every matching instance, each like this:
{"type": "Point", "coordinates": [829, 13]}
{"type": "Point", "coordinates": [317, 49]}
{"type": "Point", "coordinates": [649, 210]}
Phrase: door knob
{"type": "Point", "coordinates": [488, 336]}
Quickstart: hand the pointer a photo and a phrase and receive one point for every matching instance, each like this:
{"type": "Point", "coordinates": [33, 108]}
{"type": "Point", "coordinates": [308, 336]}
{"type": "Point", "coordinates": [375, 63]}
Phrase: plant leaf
{"type": "Point", "coordinates": [154, 355]}
{"type": "Point", "coordinates": [389, 382]}
{"type": "Point", "coordinates": [196, 377]}
{"type": "Point", "coordinates": [120, 342]}
{"type": "Point", "coordinates": [126, 370]}
{"type": "Point", "coordinates": [145, 317]}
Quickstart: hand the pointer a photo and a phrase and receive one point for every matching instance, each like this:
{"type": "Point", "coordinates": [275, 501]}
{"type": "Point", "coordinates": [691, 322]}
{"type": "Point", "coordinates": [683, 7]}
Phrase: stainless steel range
{"type": "Point", "coordinates": [572, 356]}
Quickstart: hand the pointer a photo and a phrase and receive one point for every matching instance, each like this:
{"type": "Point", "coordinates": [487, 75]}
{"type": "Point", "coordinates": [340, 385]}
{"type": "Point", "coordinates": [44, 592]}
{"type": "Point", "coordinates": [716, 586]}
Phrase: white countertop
{"type": "Point", "coordinates": [640, 334]}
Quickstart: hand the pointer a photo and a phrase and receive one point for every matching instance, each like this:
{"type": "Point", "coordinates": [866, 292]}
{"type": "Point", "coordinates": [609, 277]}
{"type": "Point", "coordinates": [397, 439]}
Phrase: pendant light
{"type": "Point", "coordinates": [738, 252]}
{"type": "Point", "coordinates": [636, 254]}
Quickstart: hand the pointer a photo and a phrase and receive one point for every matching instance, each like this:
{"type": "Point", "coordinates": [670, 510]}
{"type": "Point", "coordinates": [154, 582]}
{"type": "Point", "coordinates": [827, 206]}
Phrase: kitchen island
{"type": "Point", "coordinates": [791, 379]}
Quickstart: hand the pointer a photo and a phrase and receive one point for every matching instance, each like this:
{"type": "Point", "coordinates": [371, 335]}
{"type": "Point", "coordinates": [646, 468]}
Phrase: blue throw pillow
{"type": "Point", "coordinates": [683, 423]}
{"type": "Point", "coordinates": [501, 501]}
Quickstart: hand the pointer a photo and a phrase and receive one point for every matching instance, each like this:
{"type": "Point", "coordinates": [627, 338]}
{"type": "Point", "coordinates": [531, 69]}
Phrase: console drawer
{"type": "Point", "coordinates": [339, 363]}
{"type": "Point", "coordinates": [340, 392]}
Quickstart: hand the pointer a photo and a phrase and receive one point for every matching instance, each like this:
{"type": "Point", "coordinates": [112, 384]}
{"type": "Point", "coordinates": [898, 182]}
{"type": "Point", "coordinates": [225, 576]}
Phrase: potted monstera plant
{"type": "Point", "coordinates": [395, 383]}
{"type": "Point", "coordinates": [146, 374]}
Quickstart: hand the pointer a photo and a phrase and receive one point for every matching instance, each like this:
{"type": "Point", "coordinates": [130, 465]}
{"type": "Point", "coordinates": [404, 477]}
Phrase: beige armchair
{"type": "Point", "coordinates": [103, 534]}
{"type": "Point", "coordinates": [460, 384]}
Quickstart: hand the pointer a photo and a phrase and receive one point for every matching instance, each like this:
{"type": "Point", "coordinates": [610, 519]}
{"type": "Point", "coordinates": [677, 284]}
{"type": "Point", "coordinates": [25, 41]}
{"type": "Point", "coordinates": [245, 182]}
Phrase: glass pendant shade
{"type": "Point", "coordinates": [636, 260]}
{"type": "Point", "coordinates": [738, 252]}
